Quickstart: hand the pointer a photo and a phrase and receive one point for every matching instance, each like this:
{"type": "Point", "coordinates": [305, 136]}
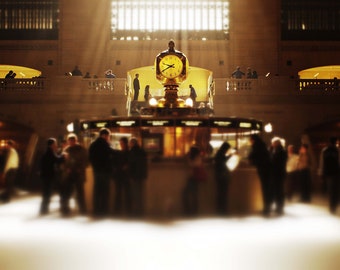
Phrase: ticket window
{"type": "Point", "coordinates": [238, 140]}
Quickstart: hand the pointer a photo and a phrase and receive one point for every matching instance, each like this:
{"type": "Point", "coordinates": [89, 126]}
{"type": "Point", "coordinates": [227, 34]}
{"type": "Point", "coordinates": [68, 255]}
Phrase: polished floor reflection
{"type": "Point", "coordinates": [306, 237]}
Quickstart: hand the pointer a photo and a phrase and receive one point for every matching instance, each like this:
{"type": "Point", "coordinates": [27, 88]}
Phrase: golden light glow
{"type": "Point", "coordinates": [22, 72]}
{"type": "Point", "coordinates": [325, 72]}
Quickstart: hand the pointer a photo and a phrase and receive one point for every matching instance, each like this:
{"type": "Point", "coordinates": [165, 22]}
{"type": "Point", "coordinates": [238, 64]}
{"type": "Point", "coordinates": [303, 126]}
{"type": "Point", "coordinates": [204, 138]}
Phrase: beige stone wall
{"type": "Point", "coordinates": [84, 40]}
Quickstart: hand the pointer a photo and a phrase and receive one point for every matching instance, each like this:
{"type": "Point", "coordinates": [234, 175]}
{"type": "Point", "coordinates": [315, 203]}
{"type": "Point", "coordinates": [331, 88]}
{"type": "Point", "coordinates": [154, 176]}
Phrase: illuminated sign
{"type": "Point", "coordinates": [245, 125]}
{"type": "Point", "coordinates": [157, 123]}
{"type": "Point", "coordinates": [191, 123]}
{"type": "Point", "coordinates": [126, 123]}
{"type": "Point", "coordinates": [101, 124]}
{"type": "Point", "coordinates": [222, 123]}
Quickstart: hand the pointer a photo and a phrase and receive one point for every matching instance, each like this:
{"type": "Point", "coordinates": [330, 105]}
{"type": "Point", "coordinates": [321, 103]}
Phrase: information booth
{"type": "Point", "coordinates": [167, 140]}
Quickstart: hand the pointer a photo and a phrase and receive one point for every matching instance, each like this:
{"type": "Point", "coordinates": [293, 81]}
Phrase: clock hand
{"type": "Point", "coordinates": [170, 66]}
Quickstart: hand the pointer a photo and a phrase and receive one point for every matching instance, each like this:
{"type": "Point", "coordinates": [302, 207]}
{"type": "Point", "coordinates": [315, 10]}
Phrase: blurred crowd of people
{"type": "Point", "coordinates": [66, 168]}
{"type": "Point", "coordinates": [284, 172]}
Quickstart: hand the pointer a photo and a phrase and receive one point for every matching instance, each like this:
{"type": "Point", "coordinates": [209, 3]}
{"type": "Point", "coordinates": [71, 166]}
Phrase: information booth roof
{"type": "Point", "coordinates": [173, 121]}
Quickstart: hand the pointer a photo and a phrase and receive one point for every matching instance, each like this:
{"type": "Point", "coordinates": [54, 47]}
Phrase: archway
{"type": "Point", "coordinates": [324, 72]}
{"type": "Point", "coordinates": [21, 72]}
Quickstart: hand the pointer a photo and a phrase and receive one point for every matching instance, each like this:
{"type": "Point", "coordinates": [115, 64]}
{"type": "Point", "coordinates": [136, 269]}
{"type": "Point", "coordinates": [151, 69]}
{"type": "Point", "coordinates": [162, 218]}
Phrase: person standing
{"type": "Point", "coordinates": [136, 87]}
{"type": "Point", "coordinates": [10, 170]}
{"type": "Point", "coordinates": [101, 159]}
{"type": "Point", "coordinates": [138, 172]}
{"type": "Point", "coordinates": [76, 71]}
{"type": "Point", "coordinates": [237, 74]}
{"type": "Point", "coordinates": [193, 94]}
{"type": "Point", "coordinates": [122, 181]}
{"type": "Point", "coordinates": [291, 169]}
{"type": "Point", "coordinates": [304, 172]}
{"type": "Point", "coordinates": [278, 156]}
{"type": "Point", "coordinates": [249, 73]}
{"type": "Point", "coordinates": [330, 162]}
{"type": "Point", "coordinates": [76, 161]}
{"type": "Point", "coordinates": [48, 168]}
{"type": "Point", "coordinates": [222, 178]}
{"type": "Point", "coordinates": [197, 174]}
{"type": "Point", "coordinates": [260, 158]}
{"type": "Point", "coordinates": [147, 94]}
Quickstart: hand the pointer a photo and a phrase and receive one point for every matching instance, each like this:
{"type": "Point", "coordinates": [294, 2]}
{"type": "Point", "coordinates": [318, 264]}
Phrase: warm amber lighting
{"type": "Point", "coordinates": [325, 72]}
{"type": "Point", "coordinates": [21, 72]}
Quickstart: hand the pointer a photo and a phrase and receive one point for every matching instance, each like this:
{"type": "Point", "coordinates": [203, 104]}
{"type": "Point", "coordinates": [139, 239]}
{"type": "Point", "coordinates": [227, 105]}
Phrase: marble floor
{"type": "Point", "coordinates": [306, 237]}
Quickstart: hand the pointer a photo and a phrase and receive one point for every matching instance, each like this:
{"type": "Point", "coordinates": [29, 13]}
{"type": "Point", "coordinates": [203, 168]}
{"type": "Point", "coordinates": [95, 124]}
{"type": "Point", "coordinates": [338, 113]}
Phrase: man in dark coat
{"type": "Point", "coordinates": [48, 173]}
{"type": "Point", "coordinates": [101, 159]}
{"type": "Point", "coordinates": [122, 180]}
{"type": "Point", "coordinates": [138, 172]}
{"type": "Point", "coordinates": [74, 175]}
{"type": "Point", "coordinates": [278, 157]}
{"type": "Point", "coordinates": [331, 172]}
{"type": "Point", "coordinates": [222, 178]}
{"type": "Point", "coordinates": [259, 157]}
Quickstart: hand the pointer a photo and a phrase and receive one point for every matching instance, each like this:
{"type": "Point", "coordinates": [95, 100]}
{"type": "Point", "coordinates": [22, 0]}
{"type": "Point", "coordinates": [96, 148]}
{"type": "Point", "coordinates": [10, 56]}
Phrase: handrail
{"type": "Point", "coordinates": [34, 84]}
{"type": "Point", "coordinates": [230, 85]}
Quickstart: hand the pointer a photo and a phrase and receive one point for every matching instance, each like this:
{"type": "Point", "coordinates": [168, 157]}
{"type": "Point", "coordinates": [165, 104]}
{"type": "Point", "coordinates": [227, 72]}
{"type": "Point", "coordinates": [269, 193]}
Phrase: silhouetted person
{"type": "Point", "coordinates": [197, 174]}
{"type": "Point", "coordinates": [278, 157]}
{"type": "Point", "coordinates": [193, 94]}
{"type": "Point", "coordinates": [304, 173]}
{"type": "Point", "coordinates": [147, 94]}
{"type": "Point", "coordinates": [9, 75]}
{"type": "Point", "coordinates": [259, 157]}
{"type": "Point", "coordinates": [87, 75]}
{"type": "Point", "coordinates": [254, 75]}
{"type": "Point", "coordinates": [76, 161]}
{"type": "Point", "coordinates": [101, 157]}
{"type": "Point", "coordinates": [109, 74]}
{"type": "Point", "coordinates": [331, 173]}
{"type": "Point", "coordinates": [237, 74]}
{"type": "Point", "coordinates": [48, 173]}
{"type": "Point", "coordinates": [249, 73]}
{"type": "Point", "coordinates": [76, 71]}
{"type": "Point", "coordinates": [292, 172]}
{"type": "Point", "coordinates": [136, 87]}
{"type": "Point", "coordinates": [138, 172]}
{"type": "Point", "coordinates": [222, 178]}
{"type": "Point", "coordinates": [122, 180]}
{"type": "Point", "coordinates": [10, 170]}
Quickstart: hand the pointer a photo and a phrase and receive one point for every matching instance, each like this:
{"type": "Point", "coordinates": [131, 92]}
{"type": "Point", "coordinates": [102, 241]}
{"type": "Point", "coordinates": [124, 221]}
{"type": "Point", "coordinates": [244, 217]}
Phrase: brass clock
{"type": "Point", "coordinates": [171, 66]}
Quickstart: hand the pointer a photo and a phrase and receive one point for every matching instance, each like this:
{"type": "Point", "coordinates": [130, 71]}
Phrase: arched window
{"type": "Point", "coordinates": [150, 19]}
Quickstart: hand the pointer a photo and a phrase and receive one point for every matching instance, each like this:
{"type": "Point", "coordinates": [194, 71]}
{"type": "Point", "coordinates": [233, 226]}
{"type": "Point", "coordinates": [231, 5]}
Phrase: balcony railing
{"type": "Point", "coordinates": [22, 85]}
{"type": "Point", "coordinates": [319, 85]}
{"type": "Point", "coordinates": [62, 85]}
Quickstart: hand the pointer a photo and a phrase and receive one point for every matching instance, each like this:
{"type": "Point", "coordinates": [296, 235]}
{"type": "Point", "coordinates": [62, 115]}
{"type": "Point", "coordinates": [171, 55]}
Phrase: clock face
{"type": "Point", "coordinates": [171, 66]}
